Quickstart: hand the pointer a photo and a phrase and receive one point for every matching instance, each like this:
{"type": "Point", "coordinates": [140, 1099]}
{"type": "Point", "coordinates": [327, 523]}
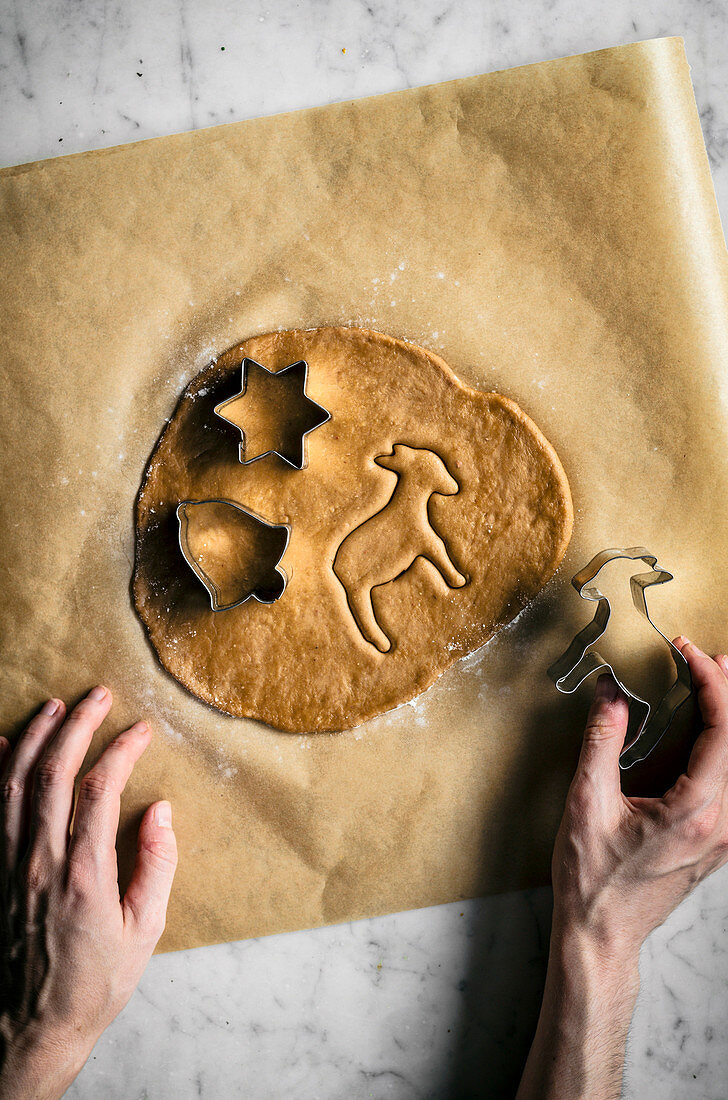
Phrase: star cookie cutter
{"type": "Point", "coordinates": [317, 415]}
{"type": "Point", "coordinates": [276, 576]}
{"type": "Point", "coordinates": [581, 660]}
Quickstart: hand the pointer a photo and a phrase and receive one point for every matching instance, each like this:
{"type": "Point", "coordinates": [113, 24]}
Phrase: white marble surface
{"type": "Point", "coordinates": [439, 1002]}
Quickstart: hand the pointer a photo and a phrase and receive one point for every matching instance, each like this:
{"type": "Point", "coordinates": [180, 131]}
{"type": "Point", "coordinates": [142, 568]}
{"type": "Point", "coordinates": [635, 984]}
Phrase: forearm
{"type": "Point", "coordinates": [578, 1050]}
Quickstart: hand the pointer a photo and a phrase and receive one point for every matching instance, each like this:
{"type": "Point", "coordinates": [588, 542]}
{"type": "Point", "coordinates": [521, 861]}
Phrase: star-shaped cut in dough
{"type": "Point", "coordinates": [273, 413]}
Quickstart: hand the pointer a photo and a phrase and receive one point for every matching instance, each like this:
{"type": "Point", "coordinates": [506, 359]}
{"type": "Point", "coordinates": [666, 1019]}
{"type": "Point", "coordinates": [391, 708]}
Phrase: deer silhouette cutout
{"type": "Point", "coordinates": [386, 544]}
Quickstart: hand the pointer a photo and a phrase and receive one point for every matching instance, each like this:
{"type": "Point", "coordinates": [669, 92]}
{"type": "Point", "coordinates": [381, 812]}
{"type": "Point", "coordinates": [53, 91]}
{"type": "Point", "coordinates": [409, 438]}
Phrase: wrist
{"type": "Point", "coordinates": [39, 1070]}
{"type": "Point", "coordinates": [593, 969]}
{"type": "Point", "coordinates": [596, 938]}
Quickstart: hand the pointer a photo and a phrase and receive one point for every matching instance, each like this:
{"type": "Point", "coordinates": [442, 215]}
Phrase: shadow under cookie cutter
{"type": "Point", "coordinates": [580, 660]}
{"type": "Point", "coordinates": [277, 576]}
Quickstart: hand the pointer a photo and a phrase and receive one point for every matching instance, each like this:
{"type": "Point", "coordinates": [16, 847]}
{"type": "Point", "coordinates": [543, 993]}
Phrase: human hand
{"type": "Point", "coordinates": [71, 951]}
{"type": "Point", "coordinates": [621, 865]}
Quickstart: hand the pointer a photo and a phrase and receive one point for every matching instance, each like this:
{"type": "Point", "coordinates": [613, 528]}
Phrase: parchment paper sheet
{"type": "Point", "coordinates": [552, 232]}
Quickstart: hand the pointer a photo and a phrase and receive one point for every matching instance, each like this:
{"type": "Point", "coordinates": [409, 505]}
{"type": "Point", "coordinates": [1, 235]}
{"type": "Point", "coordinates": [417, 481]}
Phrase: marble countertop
{"type": "Point", "coordinates": [438, 1002]}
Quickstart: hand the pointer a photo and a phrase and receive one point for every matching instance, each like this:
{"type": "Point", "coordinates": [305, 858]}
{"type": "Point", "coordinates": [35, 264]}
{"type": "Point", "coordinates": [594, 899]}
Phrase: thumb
{"type": "Point", "coordinates": [606, 728]}
{"type": "Point", "coordinates": [145, 901]}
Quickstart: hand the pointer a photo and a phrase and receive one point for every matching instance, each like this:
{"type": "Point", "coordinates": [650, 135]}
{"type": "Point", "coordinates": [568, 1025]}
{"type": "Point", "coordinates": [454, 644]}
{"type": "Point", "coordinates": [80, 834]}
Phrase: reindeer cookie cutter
{"type": "Point", "coordinates": [581, 660]}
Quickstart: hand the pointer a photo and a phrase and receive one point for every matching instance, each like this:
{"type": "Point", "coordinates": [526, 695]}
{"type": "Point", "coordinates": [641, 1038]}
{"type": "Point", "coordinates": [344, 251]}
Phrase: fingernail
{"type": "Point", "coordinates": [696, 649]}
{"type": "Point", "coordinates": [140, 727]}
{"type": "Point", "coordinates": [607, 689]}
{"type": "Point", "coordinates": [98, 693]}
{"type": "Point", "coordinates": [681, 640]}
{"type": "Point", "coordinates": [50, 708]}
{"type": "Point", "coordinates": [163, 815]}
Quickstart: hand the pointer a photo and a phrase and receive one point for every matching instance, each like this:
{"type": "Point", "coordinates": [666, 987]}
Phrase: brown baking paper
{"type": "Point", "coordinates": [552, 232]}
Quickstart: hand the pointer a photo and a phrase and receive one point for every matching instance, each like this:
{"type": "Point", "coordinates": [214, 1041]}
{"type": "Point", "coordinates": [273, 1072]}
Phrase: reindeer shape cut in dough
{"type": "Point", "coordinates": [386, 544]}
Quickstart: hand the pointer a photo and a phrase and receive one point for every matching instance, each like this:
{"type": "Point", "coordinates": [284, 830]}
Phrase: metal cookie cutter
{"type": "Point", "coordinates": [269, 588]}
{"type": "Point", "coordinates": [310, 415]}
{"type": "Point", "coordinates": [580, 660]}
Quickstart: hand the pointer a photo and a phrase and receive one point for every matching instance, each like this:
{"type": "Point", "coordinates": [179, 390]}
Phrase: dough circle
{"type": "Point", "coordinates": [496, 514]}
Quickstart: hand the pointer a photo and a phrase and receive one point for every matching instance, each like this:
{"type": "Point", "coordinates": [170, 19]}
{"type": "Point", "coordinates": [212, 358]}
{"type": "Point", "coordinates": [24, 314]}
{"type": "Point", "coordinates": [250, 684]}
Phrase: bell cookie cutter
{"type": "Point", "coordinates": [581, 660]}
{"type": "Point", "coordinates": [313, 414]}
{"type": "Point", "coordinates": [279, 578]}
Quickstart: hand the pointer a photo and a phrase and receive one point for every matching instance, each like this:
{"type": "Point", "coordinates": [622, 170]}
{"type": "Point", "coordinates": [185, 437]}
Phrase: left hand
{"type": "Point", "coordinates": [71, 951]}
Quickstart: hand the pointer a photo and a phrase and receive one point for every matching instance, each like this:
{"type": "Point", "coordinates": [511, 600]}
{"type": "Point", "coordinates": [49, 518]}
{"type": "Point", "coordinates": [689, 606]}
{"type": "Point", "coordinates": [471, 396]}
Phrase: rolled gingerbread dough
{"type": "Point", "coordinates": [428, 516]}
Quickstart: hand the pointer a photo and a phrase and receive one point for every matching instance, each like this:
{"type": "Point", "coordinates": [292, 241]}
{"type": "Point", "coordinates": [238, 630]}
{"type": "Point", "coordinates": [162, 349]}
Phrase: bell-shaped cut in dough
{"type": "Point", "coordinates": [232, 551]}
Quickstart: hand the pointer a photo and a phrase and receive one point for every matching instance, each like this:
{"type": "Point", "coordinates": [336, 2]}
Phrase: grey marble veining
{"type": "Point", "coordinates": [438, 1002]}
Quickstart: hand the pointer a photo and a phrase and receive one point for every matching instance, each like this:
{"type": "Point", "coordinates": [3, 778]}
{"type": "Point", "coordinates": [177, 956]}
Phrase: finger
{"type": "Point", "coordinates": [16, 784]}
{"type": "Point", "coordinates": [606, 728]}
{"type": "Point", "coordinates": [145, 901]}
{"type": "Point", "coordinates": [5, 751]}
{"type": "Point", "coordinates": [55, 773]}
{"type": "Point", "coordinates": [5, 754]}
{"type": "Point", "coordinates": [99, 800]}
{"type": "Point", "coordinates": [709, 758]}
{"type": "Point", "coordinates": [722, 662]}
